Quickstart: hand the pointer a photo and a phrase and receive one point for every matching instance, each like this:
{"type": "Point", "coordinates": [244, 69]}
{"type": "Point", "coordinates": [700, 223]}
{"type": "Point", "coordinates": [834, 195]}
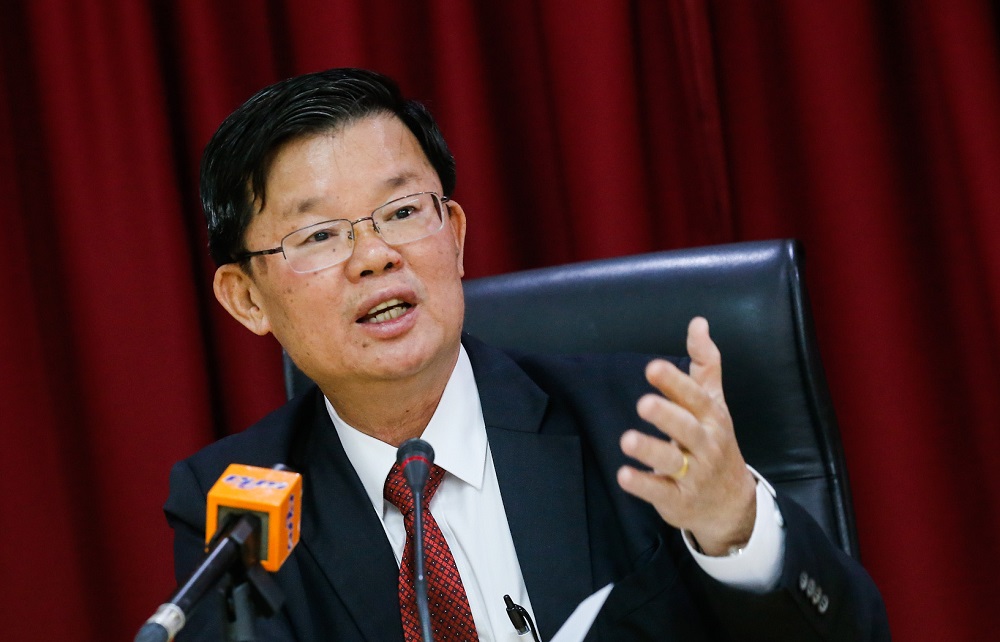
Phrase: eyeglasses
{"type": "Point", "coordinates": [325, 244]}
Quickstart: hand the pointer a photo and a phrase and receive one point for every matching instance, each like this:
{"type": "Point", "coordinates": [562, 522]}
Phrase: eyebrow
{"type": "Point", "coordinates": [307, 204]}
{"type": "Point", "coordinates": [400, 179]}
{"type": "Point", "coordinates": [304, 205]}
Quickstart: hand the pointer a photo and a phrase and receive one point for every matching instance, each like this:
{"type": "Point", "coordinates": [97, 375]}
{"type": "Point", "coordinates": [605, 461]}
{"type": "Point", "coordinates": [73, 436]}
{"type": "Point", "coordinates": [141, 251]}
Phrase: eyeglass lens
{"type": "Point", "coordinates": [403, 220]}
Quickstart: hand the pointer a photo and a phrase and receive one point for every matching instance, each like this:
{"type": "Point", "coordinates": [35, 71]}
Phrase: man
{"type": "Point", "coordinates": [330, 217]}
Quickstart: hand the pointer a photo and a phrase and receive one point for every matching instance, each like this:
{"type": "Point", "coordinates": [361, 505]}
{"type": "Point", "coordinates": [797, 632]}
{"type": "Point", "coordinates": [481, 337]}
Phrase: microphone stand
{"type": "Point", "coordinates": [233, 559]}
{"type": "Point", "coordinates": [419, 567]}
{"type": "Point", "coordinates": [249, 592]}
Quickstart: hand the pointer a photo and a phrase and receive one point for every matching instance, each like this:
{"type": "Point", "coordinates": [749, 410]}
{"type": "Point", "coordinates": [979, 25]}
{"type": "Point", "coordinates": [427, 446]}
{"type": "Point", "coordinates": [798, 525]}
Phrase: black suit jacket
{"type": "Point", "coordinates": [553, 425]}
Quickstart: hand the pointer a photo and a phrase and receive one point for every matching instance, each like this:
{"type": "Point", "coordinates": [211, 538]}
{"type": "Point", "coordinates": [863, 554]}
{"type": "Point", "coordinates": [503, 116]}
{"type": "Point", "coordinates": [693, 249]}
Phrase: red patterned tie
{"type": "Point", "coordinates": [451, 617]}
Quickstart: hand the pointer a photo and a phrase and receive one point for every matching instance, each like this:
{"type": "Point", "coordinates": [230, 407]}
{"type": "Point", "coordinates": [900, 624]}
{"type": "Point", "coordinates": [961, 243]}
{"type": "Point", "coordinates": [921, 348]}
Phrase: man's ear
{"type": "Point", "coordinates": [456, 218]}
{"type": "Point", "coordinates": [237, 293]}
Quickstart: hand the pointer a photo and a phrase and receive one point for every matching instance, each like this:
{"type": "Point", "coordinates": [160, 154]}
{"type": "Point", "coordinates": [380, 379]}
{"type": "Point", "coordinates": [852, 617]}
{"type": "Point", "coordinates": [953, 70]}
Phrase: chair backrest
{"type": "Point", "coordinates": [755, 300]}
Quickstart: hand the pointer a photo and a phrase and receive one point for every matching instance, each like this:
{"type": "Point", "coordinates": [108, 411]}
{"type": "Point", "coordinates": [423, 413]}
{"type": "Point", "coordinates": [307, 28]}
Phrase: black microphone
{"type": "Point", "coordinates": [415, 457]}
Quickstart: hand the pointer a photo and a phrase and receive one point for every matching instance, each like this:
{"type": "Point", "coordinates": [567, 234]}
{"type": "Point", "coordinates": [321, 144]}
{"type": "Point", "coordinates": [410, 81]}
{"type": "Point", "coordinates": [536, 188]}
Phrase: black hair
{"type": "Point", "coordinates": [235, 164]}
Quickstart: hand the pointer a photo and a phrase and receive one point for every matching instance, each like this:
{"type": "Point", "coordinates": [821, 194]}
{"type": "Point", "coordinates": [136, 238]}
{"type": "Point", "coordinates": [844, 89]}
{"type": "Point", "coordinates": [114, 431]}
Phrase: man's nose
{"type": "Point", "coordinates": [371, 254]}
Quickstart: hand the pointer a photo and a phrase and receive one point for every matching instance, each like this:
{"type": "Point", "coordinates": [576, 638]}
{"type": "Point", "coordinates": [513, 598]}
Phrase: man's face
{"type": "Point", "coordinates": [325, 319]}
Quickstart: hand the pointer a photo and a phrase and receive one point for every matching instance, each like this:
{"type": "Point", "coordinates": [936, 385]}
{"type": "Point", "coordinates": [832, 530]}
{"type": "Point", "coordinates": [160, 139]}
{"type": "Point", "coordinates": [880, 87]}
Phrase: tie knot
{"type": "Point", "coordinates": [397, 493]}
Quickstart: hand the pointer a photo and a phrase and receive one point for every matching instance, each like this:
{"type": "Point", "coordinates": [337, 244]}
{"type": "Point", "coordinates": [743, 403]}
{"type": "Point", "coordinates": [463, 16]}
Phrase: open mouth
{"type": "Point", "coordinates": [386, 311]}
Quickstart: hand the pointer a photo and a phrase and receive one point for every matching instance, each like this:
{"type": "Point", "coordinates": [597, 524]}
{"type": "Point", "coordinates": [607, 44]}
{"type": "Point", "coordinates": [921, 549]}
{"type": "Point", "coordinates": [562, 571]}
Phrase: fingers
{"type": "Point", "coordinates": [667, 484]}
{"type": "Point", "coordinates": [664, 458]}
{"type": "Point", "coordinates": [679, 388]}
{"type": "Point", "coordinates": [650, 487]}
{"type": "Point", "coordinates": [675, 421]}
{"type": "Point", "coordinates": [698, 479]}
{"type": "Point", "coordinates": [706, 360]}
{"type": "Point", "coordinates": [657, 486]}
{"type": "Point", "coordinates": [700, 391]}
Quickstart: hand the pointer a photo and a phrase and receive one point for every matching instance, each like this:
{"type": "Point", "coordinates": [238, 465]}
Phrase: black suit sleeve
{"type": "Point", "coordinates": [822, 593]}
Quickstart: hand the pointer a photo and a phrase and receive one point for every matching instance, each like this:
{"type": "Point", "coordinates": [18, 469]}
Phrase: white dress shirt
{"type": "Point", "coordinates": [469, 509]}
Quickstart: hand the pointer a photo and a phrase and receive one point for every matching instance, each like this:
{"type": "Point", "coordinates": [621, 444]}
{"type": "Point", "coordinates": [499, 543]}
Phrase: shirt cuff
{"type": "Point", "coordinates": [757, 566]}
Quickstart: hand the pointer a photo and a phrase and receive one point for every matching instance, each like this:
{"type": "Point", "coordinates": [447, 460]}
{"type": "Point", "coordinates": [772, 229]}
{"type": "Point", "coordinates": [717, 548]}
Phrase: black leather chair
{"type": "Point", "coordinates": [755, 300]}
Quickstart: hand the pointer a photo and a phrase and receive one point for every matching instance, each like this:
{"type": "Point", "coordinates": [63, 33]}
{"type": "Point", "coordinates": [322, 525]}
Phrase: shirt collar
{"type": "Point", "coordinates": [456, 431]}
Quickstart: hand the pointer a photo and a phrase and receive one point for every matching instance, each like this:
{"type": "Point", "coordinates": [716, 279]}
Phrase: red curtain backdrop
{"type": "Point", "coordinates": [582, 129]}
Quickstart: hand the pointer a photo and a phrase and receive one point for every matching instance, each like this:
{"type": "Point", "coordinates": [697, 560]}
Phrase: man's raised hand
{"type": "Point", "coordinates": [698, 479]}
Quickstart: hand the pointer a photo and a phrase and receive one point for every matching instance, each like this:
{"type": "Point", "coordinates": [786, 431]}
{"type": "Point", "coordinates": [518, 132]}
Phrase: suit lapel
{"type": "Point", "coordinates": [337, 523]}
{"type": "Point", "coordinates": [537, 454]}
{"type": "Point", "coordinates": [539, 465]}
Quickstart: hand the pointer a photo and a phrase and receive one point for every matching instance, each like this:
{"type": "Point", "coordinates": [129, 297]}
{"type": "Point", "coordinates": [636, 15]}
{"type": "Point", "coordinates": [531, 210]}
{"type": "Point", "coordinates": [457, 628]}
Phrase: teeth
{"type": "Point", "coordinates": [382, 306]}
{"type": "Point", "coordinates": [388, 314]}
{"type": "Point", "coordinates": [391, 309]}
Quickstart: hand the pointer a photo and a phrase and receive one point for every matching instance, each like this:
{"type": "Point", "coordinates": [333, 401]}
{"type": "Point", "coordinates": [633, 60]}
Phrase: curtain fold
{"type": "Point", "coordinates": [870, 131]}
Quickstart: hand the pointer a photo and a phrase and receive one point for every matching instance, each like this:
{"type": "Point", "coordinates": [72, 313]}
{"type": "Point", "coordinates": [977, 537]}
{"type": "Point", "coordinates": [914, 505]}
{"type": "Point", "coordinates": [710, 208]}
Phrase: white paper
{"type": "Point", "coordinates": [575, 628]}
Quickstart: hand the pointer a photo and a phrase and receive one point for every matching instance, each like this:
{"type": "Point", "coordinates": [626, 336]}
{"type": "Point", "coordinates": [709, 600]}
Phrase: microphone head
{"type": "Point", "coordinates": [414, 448]}
{"type": "Point", "coordinates": [416, 457]}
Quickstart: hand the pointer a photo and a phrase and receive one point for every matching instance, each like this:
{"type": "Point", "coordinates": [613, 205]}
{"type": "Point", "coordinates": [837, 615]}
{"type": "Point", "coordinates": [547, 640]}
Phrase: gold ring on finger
{"type": "Point", "coordinates": [679, 475]}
